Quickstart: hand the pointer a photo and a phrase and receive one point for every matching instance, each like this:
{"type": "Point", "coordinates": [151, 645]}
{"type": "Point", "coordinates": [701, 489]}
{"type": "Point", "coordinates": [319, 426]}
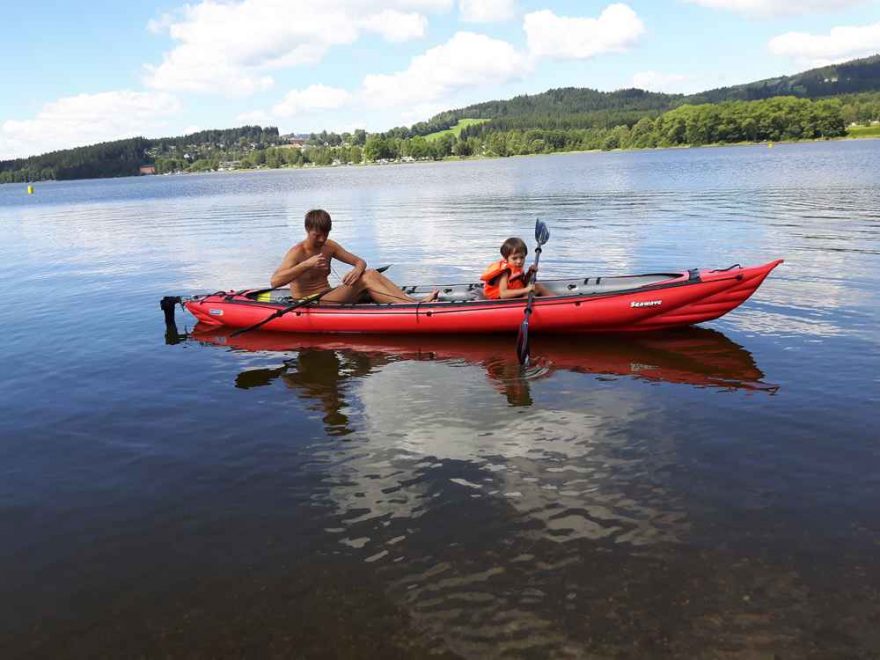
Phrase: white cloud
{"type": "Point", "coordinates": [85, 119]}
{"type": "Point", "coordinates": [763, 8]}
{"type": "Point", "coordinates": [654, 81]}
{"type": "Point", "coordinates": [314, 97]}
{"type": "Point", "coordinates": [396, 26]}
{"type": "Point", "coordinates": [841, 43]}
{"type": "Point", "coordinates": [486, 11]}
{"type": "Point", "coordinates": [254, 117]}
{"type": "Point", "coordinates": [229, 47]}
{"type": "Point", "coordinates": [549, 35]}
{"type": "Point", "coordinates": [466, 60]}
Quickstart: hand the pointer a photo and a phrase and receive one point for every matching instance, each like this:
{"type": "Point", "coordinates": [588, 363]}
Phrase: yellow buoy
{"type": "Point", "coordinates": [30, 190]}
{"type": "Point", "coordinates": [769, 145]}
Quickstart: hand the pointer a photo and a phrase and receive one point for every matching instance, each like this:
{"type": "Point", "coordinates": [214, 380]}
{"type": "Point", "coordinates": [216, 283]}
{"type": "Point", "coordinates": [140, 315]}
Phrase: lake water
{"type": "Point", "coordinates": [707, 493]}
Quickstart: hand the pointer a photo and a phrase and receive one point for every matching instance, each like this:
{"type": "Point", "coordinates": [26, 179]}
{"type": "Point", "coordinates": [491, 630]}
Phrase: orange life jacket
{"type": "Point", "coordinates": [492, 275]}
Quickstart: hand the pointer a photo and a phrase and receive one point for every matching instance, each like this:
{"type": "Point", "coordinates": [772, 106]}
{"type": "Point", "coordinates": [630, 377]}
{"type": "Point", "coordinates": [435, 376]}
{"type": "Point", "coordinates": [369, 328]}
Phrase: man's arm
{"type": "Point", "coordinates": [339, 252]}
{"type": "Point", "coordinates": [289, 269]}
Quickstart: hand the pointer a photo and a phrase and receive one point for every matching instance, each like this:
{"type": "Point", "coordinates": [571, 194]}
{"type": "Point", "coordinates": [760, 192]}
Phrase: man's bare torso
{"type": "Point", "coordinates": [314, 280]}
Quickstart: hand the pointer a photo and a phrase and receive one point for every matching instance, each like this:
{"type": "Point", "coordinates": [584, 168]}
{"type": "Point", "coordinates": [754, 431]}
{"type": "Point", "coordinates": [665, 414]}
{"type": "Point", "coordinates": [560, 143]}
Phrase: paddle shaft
{"type": "Point", "coordinates": [532, 278]}
{"type": "Point", "coordinates": [281, 312]}
{"type": "Point", "coordinates": [523, 339]}
{"type": "Point", "coordinates": [299, 303]}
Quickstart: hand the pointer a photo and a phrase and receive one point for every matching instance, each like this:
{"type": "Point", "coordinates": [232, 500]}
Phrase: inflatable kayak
{"type": "Point", "coordinates": [590, 304]}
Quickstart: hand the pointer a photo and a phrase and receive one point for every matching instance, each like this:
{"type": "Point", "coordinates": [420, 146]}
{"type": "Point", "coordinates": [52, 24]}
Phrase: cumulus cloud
{"type": "Point", "coordinates": [396, 25]}
{"type": "Point", "coordinates": [310, 99]}
{"type": "Point", "coordinates": [841, 43]}
{"type": "Point", "coordinates": [561, 37]}
{"type": "Point", "coordinates": [85, 119]}
{"type": "Point", "coordinates": [466, 60]}
{"type": "Point", "coordinates": [230, 47]}
{"type": "Point", "coordinates": [486, 11]}
{"type": "Point", "coordinates": [655, 81]}
{"type": "Point", "coordinates": [254, 118]}
{"type": "Point", "coordinates": [763, 8]}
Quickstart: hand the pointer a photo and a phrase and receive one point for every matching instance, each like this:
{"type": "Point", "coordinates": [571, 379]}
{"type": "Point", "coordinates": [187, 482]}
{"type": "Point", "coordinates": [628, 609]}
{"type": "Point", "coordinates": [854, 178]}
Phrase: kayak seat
{"type": "Point", "coordinates": [457, 295]}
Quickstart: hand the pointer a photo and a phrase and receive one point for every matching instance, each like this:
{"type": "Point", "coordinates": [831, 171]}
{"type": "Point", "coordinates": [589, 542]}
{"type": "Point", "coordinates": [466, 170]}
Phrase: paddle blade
{"type": "Point", "coordinates": [522, 342]}
{"type": "Point", "coordinates": [542, 232]}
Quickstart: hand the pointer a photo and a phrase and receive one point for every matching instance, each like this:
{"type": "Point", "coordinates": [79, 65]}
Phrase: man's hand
{"type": "Point", "coordinates": [318, 261]}
{"type": "Point", "coordinates": [353, 275]}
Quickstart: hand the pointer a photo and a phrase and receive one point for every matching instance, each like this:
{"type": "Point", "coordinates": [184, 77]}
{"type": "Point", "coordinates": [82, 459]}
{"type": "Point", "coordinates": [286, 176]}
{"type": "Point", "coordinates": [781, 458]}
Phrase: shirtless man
{"type": "Point", "coordinates": [307, 264]}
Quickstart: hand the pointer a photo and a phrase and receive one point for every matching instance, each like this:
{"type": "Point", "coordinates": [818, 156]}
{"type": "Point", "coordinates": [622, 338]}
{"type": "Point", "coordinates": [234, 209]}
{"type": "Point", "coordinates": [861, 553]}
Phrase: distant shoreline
{"type": "Point", "coordinates": [464, 159]}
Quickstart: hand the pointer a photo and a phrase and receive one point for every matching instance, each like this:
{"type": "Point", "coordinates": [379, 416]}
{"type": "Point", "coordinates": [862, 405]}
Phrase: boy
{"type": "Point", "coordinates": [506, 279]}
{"type": "Point", "coordinates": [307, 264]}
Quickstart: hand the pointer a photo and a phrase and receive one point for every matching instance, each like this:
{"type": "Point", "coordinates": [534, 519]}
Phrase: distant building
{"type": "Point", "coordinates": [147, 169]}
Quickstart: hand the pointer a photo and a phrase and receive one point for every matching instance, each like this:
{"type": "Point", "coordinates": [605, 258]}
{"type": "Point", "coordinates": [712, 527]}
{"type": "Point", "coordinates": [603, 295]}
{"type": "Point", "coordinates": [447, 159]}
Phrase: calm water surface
{"type": "Point", "coordinates": [707, 493]}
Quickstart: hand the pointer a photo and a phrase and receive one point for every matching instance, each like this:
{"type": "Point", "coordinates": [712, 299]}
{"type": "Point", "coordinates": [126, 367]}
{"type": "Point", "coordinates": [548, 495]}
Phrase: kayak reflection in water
{"type": "Point", "coordinates": [323, 365]}
{"type": "Point", "coordinates": [319, 375]}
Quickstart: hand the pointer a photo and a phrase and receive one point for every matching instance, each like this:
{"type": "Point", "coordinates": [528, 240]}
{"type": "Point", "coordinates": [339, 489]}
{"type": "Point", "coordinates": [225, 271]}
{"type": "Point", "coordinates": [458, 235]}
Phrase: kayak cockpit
{"type": "Point", "coordinates": [582, 286]}
{"type": "Point", "coordinates": [472, 292]}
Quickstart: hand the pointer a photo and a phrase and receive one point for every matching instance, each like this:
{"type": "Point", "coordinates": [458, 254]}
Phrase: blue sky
{"type": "Point", "coordinates": [82, 72]}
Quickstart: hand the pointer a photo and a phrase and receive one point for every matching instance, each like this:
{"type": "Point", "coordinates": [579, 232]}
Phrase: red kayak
{"type": "Point", "coordinates": [591, 304]}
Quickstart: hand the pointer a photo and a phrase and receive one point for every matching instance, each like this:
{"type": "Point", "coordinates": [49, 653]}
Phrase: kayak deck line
{"type": "Point", "coordinates": [591, 304]}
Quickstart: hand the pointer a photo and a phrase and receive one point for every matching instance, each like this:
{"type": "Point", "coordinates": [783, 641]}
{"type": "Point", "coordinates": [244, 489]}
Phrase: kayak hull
{"type": "Point", "coordinates": [632, 304]}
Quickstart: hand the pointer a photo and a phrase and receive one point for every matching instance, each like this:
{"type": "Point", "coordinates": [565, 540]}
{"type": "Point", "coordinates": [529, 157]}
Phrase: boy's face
{"type": "Point", "coordinates": [316, 238]}
{"type": "Point", "coordinates": [517, 258]}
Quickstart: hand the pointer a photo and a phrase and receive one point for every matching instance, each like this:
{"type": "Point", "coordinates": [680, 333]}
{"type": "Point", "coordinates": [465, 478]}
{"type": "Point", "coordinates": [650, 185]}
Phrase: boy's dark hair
{"type": "Point", "coordinates": [513, 244]}
{"type": "Point", "coordinates": [319, 220]}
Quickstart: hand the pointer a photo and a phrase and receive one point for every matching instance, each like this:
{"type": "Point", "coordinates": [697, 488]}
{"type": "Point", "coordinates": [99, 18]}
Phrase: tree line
{"type": "Point", "coordinates": [776, 119]}
{"type": "Point", "coordinates": [618, 120]}
{"type": "Point", "coordinates": [125, 157]}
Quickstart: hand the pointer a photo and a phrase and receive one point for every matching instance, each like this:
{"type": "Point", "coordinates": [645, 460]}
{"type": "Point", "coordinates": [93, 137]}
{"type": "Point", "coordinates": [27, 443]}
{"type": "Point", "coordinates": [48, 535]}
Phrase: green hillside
{"type": "Point", "coordinates": [851, 77]}
{"type": "Point", "coordinates": [826, 102]}
{"type": "Point", "coordinates": [455, 131]}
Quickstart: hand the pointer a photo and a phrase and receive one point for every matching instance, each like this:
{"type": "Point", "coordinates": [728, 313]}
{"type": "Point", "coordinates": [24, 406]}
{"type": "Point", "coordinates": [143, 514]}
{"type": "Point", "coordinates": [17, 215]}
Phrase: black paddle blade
{"type": "Point", "coordinates": [542, 232]}
{"type": "Point", "coordinates": [522, 343]}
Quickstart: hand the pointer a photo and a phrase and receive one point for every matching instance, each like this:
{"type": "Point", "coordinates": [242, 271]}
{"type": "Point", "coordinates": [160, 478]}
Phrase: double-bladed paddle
{"type": "Point", "coordinates": [542, 235]}
{"type": "Point", "coordinates": [302, 302]}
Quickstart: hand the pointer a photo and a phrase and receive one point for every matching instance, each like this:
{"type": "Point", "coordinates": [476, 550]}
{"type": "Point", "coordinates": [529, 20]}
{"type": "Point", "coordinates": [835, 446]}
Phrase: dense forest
{"type": "Point", "coordinates": [815, 104]}
{"type": "Point", "coordinates": [125, 157]}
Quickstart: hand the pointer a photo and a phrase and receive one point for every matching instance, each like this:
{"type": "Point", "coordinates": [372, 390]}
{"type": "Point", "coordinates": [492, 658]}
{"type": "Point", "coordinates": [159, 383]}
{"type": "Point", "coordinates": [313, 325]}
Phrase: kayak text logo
{"type": "Point", "coordinates": [646, 303]}
{"type": "Point", "coordinates": [215, 312]}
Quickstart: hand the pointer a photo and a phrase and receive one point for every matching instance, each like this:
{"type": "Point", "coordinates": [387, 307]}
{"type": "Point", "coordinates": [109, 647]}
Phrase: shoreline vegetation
{"type": "Point", "coordinates": [870, 133]}
{"type": "Point", "coordinates": [734, 123]}
{"type": "Point", "coordinates": [840, 101]}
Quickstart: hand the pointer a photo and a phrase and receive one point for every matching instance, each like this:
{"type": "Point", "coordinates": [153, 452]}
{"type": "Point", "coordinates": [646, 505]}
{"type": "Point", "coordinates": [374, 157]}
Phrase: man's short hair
{"type": "Point", "coordinates": [513, 244]}
{"type": "Point", "coordinates": [319, 220]}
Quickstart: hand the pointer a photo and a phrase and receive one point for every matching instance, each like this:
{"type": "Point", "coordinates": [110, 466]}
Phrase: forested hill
{"type": "Point", "coordinates": [125, 157]}
{"type": "Point", "coordinates": [564, 102]}
{"type": "Point", "coordinates": [814, 104]}
{"type": "Point", "coordinates": [589, 108]}
{"type": "Point", "coordinates": [847, 78]}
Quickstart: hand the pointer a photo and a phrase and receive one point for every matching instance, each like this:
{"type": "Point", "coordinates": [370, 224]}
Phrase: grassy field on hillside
{"type": "Point", "coordinates": [863, 131]}
{"type": "Point", "coordinates": [455, 130]}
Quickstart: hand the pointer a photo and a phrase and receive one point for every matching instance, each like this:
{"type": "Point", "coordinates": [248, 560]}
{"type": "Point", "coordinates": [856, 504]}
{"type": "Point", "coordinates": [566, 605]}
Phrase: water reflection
{"type": "Point", "coordinates": [323, 365]}
{"type": "Point", "coordinates": [488, 511]}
